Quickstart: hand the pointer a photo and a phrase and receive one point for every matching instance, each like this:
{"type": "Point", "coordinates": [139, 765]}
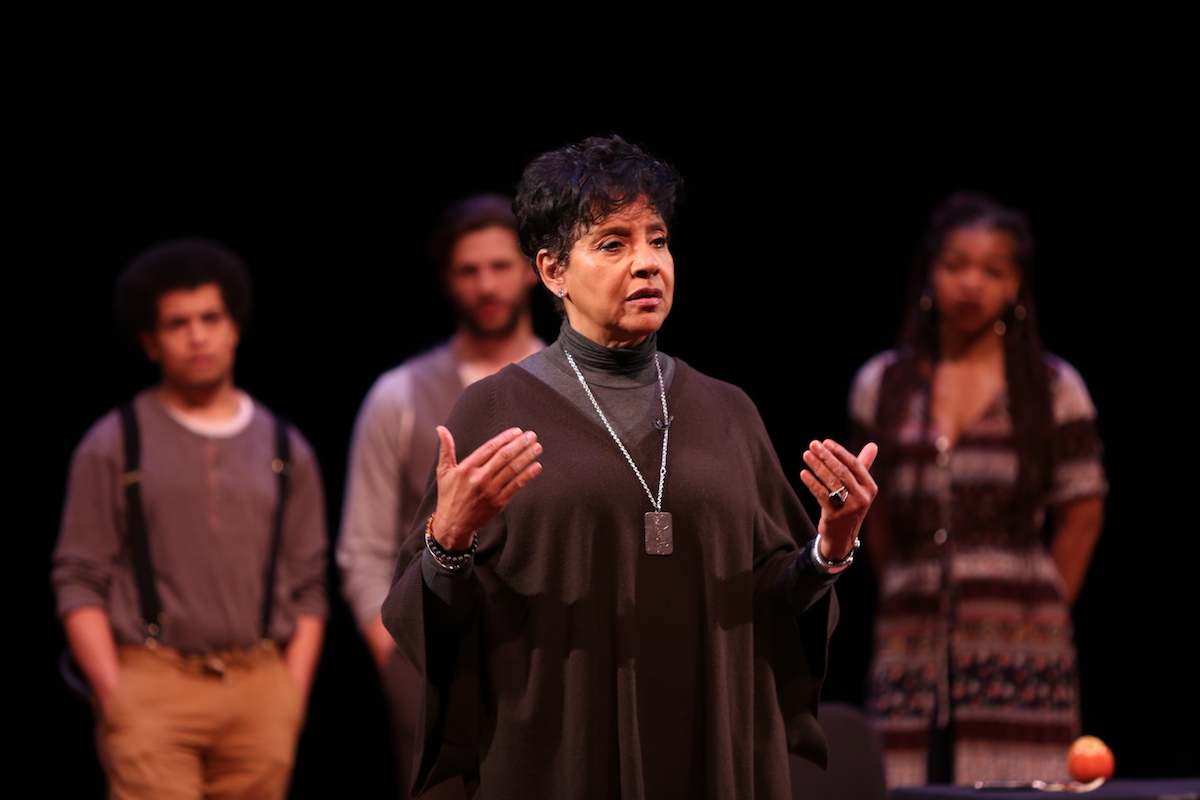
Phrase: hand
{"type": "Point", "coordinates": [304, 650]}
{"type": "Point", "coordinates": [89, 632]}
{"type": "Point", "coordinates": [380, 643]}
{"type": "Point", "coordinates": [472, 492]}
{"type": "Point", "coordinates": [831, 467]}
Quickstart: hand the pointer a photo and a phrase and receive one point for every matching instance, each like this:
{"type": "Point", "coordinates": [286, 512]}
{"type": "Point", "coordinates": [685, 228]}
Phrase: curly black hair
{"type": "Point", "coordinates": [564, 192]}
{"type": "Point", "coordinates": [179, 264]}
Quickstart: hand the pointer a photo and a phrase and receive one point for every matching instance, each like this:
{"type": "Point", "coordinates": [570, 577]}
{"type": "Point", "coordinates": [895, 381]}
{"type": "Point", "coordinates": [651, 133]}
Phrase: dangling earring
{"type": "Point", "coordinates": [926, 301]}
{"type": "Point", "coordinates": [1018, 314]}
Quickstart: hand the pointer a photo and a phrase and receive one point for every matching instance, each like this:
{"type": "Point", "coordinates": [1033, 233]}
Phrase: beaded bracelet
{"type": "Point", "coordinates": [452, 560]}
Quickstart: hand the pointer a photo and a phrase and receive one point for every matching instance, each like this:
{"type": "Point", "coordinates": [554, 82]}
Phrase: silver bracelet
{"type": "Point", "coordinates": [453, 560]}
{"type": "Point", "coordinates": [832, 567]}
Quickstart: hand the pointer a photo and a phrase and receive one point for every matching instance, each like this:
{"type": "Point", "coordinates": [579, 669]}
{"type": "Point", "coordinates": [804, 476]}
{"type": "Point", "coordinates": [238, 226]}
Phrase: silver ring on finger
{"type": "Point", "coordinates": [838, 497]}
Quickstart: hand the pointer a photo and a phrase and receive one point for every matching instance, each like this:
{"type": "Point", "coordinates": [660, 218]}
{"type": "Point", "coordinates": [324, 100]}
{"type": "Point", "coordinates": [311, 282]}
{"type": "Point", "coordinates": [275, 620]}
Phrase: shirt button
{"type": "Point", "coordinates": [942, 443]}
{"type": "Point", "coordinates": [940, 536]}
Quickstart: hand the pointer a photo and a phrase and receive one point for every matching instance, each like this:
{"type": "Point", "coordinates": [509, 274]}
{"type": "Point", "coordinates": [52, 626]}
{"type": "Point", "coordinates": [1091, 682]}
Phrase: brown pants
{"type": "Point", "coordinates": [188, 727]}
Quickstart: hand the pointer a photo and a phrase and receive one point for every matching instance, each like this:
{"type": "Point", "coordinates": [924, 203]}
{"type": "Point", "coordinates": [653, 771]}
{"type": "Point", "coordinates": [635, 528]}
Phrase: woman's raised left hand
{"type": "Point", "coordinates": [831, 468]}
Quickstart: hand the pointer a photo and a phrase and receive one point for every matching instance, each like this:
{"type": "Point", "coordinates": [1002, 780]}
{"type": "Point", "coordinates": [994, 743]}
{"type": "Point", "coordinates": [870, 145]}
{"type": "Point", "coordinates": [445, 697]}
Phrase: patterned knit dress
{"type": "Point", "coordinates": [973, 635]}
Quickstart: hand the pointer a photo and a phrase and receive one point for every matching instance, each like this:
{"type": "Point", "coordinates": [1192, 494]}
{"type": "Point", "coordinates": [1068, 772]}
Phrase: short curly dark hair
{"type": "Point", "coordinates": [179, 264]}
{"type": "Point", "coordinates": [563, 193]}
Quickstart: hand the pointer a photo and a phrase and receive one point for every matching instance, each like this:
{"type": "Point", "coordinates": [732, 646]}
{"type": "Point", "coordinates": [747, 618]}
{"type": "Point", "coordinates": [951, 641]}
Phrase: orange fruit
{"type": "Point", "coordinates": [1089, 758]}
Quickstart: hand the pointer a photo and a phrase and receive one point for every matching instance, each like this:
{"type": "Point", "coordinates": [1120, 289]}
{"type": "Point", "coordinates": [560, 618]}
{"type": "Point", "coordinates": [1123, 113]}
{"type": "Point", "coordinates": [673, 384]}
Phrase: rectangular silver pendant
{"type": "Point", "coordinates": [660, 541]}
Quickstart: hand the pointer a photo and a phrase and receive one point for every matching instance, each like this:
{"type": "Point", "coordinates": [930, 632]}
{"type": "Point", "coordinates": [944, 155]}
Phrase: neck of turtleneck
{"type": "Point", "coordinates": [623, 379]}
{"type": "Point", "coordinates": [630, 365]}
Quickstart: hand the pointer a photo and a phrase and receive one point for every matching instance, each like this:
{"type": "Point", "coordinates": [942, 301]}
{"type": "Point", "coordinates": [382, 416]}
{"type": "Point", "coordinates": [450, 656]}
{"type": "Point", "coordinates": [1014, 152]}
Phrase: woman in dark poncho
{"type": "Point", "coordinates": [649, 617]}
{"type": "Point", "coordinates": [992, 502]}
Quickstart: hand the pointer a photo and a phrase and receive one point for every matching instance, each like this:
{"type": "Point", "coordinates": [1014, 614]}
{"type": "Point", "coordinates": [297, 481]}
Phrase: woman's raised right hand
{"type": "Point", "coordinates": [473, 491]}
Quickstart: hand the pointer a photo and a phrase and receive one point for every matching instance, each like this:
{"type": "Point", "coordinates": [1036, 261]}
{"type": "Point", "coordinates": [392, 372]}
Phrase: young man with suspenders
{"type": "Point", "coordinates": [190, 566]}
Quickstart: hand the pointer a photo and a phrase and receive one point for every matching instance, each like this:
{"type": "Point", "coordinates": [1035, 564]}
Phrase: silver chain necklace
{"type": "Point", "coordinates": [660, 540]}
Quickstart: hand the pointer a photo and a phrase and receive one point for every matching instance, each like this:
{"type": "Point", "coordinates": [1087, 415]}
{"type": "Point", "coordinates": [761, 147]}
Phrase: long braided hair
{"type": "Point", "coordinates": [919, 348]}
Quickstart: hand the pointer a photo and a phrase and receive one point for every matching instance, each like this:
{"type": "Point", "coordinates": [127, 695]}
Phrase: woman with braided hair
{"type": "Point", "coordinates": [991, 502]}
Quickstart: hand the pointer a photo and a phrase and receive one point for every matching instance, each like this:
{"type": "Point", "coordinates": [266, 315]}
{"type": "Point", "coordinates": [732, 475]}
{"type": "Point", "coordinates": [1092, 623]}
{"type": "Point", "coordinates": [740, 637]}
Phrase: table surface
{"type": "Point", "coordinates": [1120, 789]}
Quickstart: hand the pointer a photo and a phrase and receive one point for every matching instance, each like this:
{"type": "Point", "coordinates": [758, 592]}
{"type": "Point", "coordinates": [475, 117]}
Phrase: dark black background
{"type": "Point", "coordinates": [322, 145]}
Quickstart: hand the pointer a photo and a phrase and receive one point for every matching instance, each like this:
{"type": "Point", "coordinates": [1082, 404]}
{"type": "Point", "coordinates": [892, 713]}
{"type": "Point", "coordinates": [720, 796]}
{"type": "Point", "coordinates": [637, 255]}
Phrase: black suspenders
{"type": "Point", "coordinates": [282, 464]}
{"type": "Point", "coordinates": [139, 542]}
{"type": "Point", "coordinates": [143, 569]}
